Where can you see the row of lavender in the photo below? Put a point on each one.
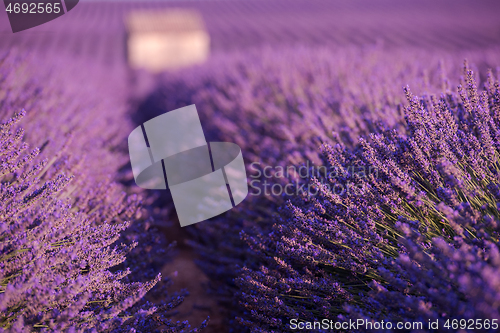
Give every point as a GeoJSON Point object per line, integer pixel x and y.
{"type": "Point", "coordinates": [64, 254]}
{"type": "Point", "coordinates": [399, 246]}
{"type": "Point", "coordinates": [96, 29]}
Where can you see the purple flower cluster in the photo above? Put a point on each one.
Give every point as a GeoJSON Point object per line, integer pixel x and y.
{"type": "Point", "coordinates": [416, 242]}
{"type": "Point", "coordinates": [320, 257]}
{"type": "Point", "coordinates": [62, 213]}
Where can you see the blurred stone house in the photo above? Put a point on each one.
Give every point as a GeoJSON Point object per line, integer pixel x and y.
{"type": "Point", "coordinates": [166, 39]}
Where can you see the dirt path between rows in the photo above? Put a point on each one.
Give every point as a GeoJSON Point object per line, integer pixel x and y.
{"type": "Point", "coordinates": [199, 304]}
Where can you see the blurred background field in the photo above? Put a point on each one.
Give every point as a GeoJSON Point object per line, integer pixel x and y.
{"type": "Point", "coordinates": [352, 57]}
{"type": "Point", "coordinates": [96, 30]}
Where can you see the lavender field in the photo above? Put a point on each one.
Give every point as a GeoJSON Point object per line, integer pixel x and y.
{"type": "Point", "coordinates": [387, 113]}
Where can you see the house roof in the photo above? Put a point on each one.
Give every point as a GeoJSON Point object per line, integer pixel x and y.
{"type": "Point", "coordinates": [170, 20]}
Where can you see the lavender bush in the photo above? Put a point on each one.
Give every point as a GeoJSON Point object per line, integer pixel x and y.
{"type": "Point", "coordinates": [62, 213]}
{"type": "Point", "coordinates": [415, 241]}
{"type": "Point", "coordinates": [280, 106]}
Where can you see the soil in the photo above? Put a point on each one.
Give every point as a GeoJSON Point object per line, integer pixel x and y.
{"type": "Point", "coordinates": [199, 304]}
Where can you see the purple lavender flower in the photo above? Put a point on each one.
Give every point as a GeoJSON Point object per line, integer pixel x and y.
{"type": "Point", "coordinates": [418, 242]}
{"type": "Point", "coordinates": [61, 256]}
{"type": "Point", "coordinates": [318, 258]}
